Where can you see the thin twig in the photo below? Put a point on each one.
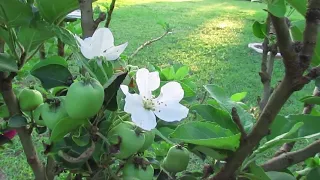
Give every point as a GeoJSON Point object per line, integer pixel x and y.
{"type": "Point", "coordinates": [61, 44]}
{"type": "Point", "coordinates": [68, 58]}
{"type": "Point", "coordinates": [206, 92]}
{"type": "Point", "coordinates": [102, 17]}
{"type": "Point", "coordinates": [148, 43]}
{"type": "Point", "coordinates": [263, 72]}
{"type": "Point", "coordinates": [42, 52]}
{"type": "Point", "coordinates": [2, 45]}
{"type": "Point", "coordinates": [110, 11]}
{"type": "Point", "coordinates": [237, 121]}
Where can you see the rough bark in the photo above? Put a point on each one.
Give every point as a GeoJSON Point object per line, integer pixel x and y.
{"type": "Point", "coordinates": [295, 66]}
{"type": "Point", "coordinates": [50, 168]}
{"type": "Point", "coordinates": [1, 45]}
{"type": "Point", "coordinates": [288, 159]}
{"type": "Point", "coordinates": [25, 137]}
{"type": "Point", "coordinates": [87, 22]}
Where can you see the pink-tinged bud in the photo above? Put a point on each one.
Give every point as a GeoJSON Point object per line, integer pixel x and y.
{"type": "Point", "coordinates": [10, 134]}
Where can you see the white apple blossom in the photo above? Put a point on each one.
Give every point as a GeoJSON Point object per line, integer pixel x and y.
{"type": "Point", "coordinates": [144, 107]}
{"type": "Point", "coordinates": [101, 44]}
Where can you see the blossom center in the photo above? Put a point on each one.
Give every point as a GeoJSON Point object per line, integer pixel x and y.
{"type": "Point", "coordinates": [148, 104]}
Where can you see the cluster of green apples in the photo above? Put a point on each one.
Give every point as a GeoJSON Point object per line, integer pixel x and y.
{"type": "Point", "coordinates": [129, 140]}
{"type": "Point", "coordinates": [84, 99]}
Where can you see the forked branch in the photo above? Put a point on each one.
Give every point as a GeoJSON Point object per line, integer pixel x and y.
{"type": "Point", "coordinates": [295, 66]}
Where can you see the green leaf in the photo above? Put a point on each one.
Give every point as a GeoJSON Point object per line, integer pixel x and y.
{"type": "Point", "coordinates": [283, 124]}
{"type": "Point", "coordinates": [104, 72]}
{"type": "Point", "coordinates": [14, 13]}
{"type": "Point", "coordinates": [277, 140]}
{"type": "Point", "coordinates": [210, 152]}
{"type": "Point", "coordinates": [82, 137]}
{"type": "Point", "coordinates": [249, 176]}
{"type": "Point", "coordinates": [283, 138]}
{"type": "Point", "coordinates": [181, 73]}
{"type": "Point", "coordinates": [55, 11]}
{"type": "Point", "coordinates": [311, 100]}
{"type": "Point", "coordinates": [314, 174]}
{"type": "Point", "coordinates": [297, 29]}
{"type": "Point", "coordinates": [277, 8]}
{"type": "Point", "coordinates": [207, 134]}
{"type": "Point", "coordinates": [238, 96]}
{"type": "Point", "coordinates": [65, 36]}
{"type": "Point", "coordinates": [299, 5]}
{"type": "Point", "coordinates": [50, 61]}
{"type": "Point", "coordinates": [164, 133]}
{"type": "Point", "coordinates": [221, 97]}
{"type": "Point", "coordinates": [4, 34]}
{"type": "Point", "coordinates": [259, 29]}
{"type": "Point", "coordinates": [4, 111]}
{"type": "Point", "coordinates": [32, 36]}
{"type": "Point", "coordinates": [317, 82]}
{"type": "Point", "coordinates": [65, 126]}
{"type": "Point", "coordinates": [273, 175]}
{"type": "Point", "coordinates": [212, 114]}
{"type": "Point", "coordinates": [52, 72]}
{"type": "Point", "coordinates": [40, 129]}
{"type": "Point", "coordinates": [168, 73]}
{"type": "Point", "coordinates": [53, 76]}
{"type": "Point", "coordinates": [188, 91]}
{"type": "Point", "coordinates": [111, 90]}
{"type": "Point", "coordinates": [17, 121]}
{"type": "Point", "coordinates": [258, 172]}
{"type": "Point", "coordinates": [7, 63]}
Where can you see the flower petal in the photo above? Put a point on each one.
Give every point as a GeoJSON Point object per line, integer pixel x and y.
{"type": "Point", "coordinates": [144, 119]}
{"type": "Point", "coordinates": [172, 111]}
{"type": "Point", "coordinates": [102, 40]}
{"type": "Point", "coordinates": [85, 47]}
{"type": "Point", "coordinates": [125, 89]}
{"type": "Point", "coordinates": [87, 52]}
{"type": "Point", "coordinates": [132, 102]}
{"type": "Point", "coordinates": [79, 40]}
{"type": "Point", "coordinates": [154, 80]}
{"type": "Point", "coordinates": [114, 52]}
{"type": "Point", "coordinates": [171, 92]}
{"type": "Point", "coordinates": [142, 79]}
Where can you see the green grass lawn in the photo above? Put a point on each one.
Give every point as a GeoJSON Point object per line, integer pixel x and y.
{"type": "Point", "coordinates": [210, 36]}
